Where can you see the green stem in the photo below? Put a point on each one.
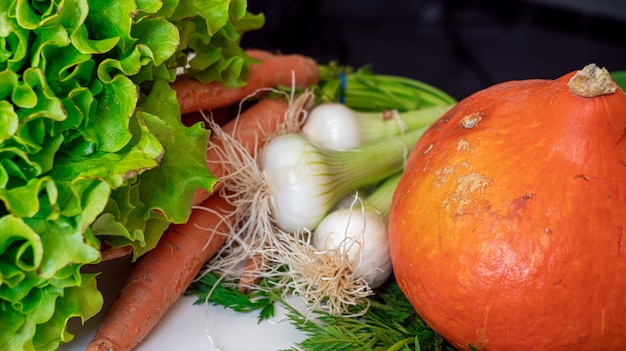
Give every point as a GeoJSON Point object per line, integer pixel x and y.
{"type": "Point", "coordinates": [382, 197]}
{"type": "Point", "coordinates": [400, 344]}
{"type": "Point", "coordinates": [430, 94]}
{"type": "Point", "coordinates": [374, 125]}
{"type": "Point", "coordinates": [369, 164]}
{"type": "Point", "coordinates": [365, 91]}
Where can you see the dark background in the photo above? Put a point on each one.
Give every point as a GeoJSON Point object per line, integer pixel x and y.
{"type": "Point", "coordinates": [460, 46]}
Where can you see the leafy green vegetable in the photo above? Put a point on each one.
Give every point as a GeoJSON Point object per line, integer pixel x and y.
{"type": "Point", "coordinates": [92, 148]}
{"type": "Point", "coordinates": [390, 323]}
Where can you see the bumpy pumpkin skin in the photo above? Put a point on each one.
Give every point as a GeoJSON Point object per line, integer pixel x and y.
{"type": "Point", "coordinates": [507, 228]}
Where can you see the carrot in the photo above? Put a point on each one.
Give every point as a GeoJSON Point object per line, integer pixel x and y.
{"type": "Point", "coordinates": [251, 129]}
{"type": "Point", "coordinates": [274, 70]}
{"type": "Point", "coordinates": [110, 253]}
{"type": "Point", "coordinates": [161, 276]}
{"type": "Point", "coordinates": [247, 279]}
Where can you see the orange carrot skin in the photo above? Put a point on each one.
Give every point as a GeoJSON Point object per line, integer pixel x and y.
{"type": "Point", "coordinates": [248, 279]}
{"type": "Point", "coordinates": [273, 70]}
{"type": "Point", "coordinates": [252, 128]}
{"type": "Point", "coordinates": [161, 276]}
{"type": "Point", "coordinates": [108, 253]}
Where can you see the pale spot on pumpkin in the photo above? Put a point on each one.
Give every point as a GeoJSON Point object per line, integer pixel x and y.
{"type": "Point", "coordinates": [426, 164]}
{"type": "Point", "coordinates": [430, 147]}
{"type": "Point", "coordinates": [471, 120]}
{"type": "Point", "coordinates": [464, 145]}
{"type": "Point", "coordinates": [468, 186]}
{"type": "Point", "coordinates": [442, 175]}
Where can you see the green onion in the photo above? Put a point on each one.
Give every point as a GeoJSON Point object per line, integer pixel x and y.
{"type": "Point", "coordinates": [336, 126]}
{"type": "Point", "coordinates": [359, 233]}
{"type": "Point", "coordinates": [305, 181]}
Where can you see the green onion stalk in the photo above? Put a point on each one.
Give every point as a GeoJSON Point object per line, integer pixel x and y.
{"type": "Point", "coordinates": [363, 90]}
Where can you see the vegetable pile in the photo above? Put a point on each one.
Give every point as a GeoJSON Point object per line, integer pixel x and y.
{"type": "Point", "coordinates": [286, 186]}
{"type": "Point", "coordinates": [93, 150]}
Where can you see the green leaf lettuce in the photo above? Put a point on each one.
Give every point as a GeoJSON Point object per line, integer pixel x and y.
{"type": "Point", "coordinates": [92, 148]}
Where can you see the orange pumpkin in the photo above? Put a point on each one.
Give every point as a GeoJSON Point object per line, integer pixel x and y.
{"type": "Point", "coordinates": [507, 228]}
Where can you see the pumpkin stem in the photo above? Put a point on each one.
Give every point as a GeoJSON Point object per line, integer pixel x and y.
{"type": "Point", "coordinates": [592, 81]}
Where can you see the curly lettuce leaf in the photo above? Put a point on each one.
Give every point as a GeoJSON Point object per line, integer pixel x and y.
{"type": "Point", "coordinates": [212, 30]}
{"type": "Point", "coordinates": [47, 288]}
{"type": "Point", "coordinates": [181, 164]}
{"type": "Point", "coordinates": [140, 211]}
{"type": "Point", "coordinates": [91, 144]}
